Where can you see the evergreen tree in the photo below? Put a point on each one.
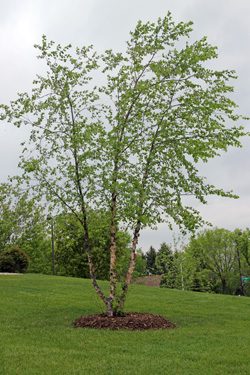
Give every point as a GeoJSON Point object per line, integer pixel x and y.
{"type": "Point", "coordinates": [150, 261]}
{"type": "Point", "coordinates": [164, 259]}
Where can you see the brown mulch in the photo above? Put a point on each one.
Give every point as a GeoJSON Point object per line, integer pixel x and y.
{"type": "Point", "coordinates": [131, 321]}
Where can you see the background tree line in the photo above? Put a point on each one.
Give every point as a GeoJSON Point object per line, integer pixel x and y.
{"type": "Point", "coordinates": [208, 263]}
{"type": "Point", "coordinates": [215, 260]}
{"type": "Point", "coordinates": [24, 225]}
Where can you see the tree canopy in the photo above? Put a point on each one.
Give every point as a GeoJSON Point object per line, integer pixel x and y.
{"type": "Point", "coordinates": [215, 250]}
{"type": "Point", "coordinates": [123, 132]}
{"type": "Point", "coordinates": [71, 257]}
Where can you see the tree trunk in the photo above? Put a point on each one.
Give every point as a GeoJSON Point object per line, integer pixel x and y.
{"type": "Point", "coordinates": [109, 308]}
{"type": "Point", "coordinates": [113, 251]}
{"type": "Point", "coordinates": [108, 303]}
{"type": "Point", "coordinates": [223, 281]}
{"type": "Point", "coordinates": [131, 267]}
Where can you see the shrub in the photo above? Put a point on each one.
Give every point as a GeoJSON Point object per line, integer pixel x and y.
{"type": "Point", "coordinates": [14, 260]}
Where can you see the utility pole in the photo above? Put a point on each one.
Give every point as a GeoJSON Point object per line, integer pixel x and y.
{"type": "Point", "coordinates": [182, 284]}
{"type": "Point", "coordinates": [241, 278]}
{"type": "Point", "coordinates": [49, 218]}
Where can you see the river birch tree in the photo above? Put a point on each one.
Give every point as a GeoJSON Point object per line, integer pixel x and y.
{"type": "Point", "coordinates": [123, 133]}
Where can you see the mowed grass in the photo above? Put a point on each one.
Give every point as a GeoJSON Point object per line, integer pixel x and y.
{"type": "Point", "coordinates": [38, 337]}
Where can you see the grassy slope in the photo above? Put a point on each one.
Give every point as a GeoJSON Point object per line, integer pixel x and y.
{"type": "Point", "coordinates": [37, 336]}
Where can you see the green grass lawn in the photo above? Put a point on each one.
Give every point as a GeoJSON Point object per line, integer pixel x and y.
{"type": "Point", "coordinates": [38, 337]}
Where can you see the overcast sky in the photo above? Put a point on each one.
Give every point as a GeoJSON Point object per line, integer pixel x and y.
{"type": "Point", "coordinates": [106, 24]}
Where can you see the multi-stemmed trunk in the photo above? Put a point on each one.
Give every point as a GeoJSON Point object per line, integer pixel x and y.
{"type": "Point", "coordinates": [131, 267]}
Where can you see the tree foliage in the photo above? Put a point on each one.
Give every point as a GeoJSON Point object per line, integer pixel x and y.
{"type": "Point", "coordinates": [23, 225]}
{"type": "Point", "coordinates": [17, 213]}
{"type": "Point", "coordinates": [150, 260]}
{"type": "Point", "coordinates": [167, 265]}
{"type": "Point", "coordinates": [14, 261]}
{"type": "Point", "coordinates": [130, 145]}
{"type": "Point", "coordinates": [71, 257]}
{"type": "Point", "coordinates": [243, 242]}
{"type": "Point", "coordinates": [164, 259]}
{"type": "Point", "coordinates": [215, 255]}
{"type": "Point", "coordinates": [140, 269]}
{"type": "Point", "coordinates": [208, 263]}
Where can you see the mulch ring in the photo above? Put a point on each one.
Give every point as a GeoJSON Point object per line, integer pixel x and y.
{"type": "Point", "coordinates": [131, 321]}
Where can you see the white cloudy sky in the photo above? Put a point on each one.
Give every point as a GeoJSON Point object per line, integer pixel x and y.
{"type": "Point", "coordinates": [106, 24]}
